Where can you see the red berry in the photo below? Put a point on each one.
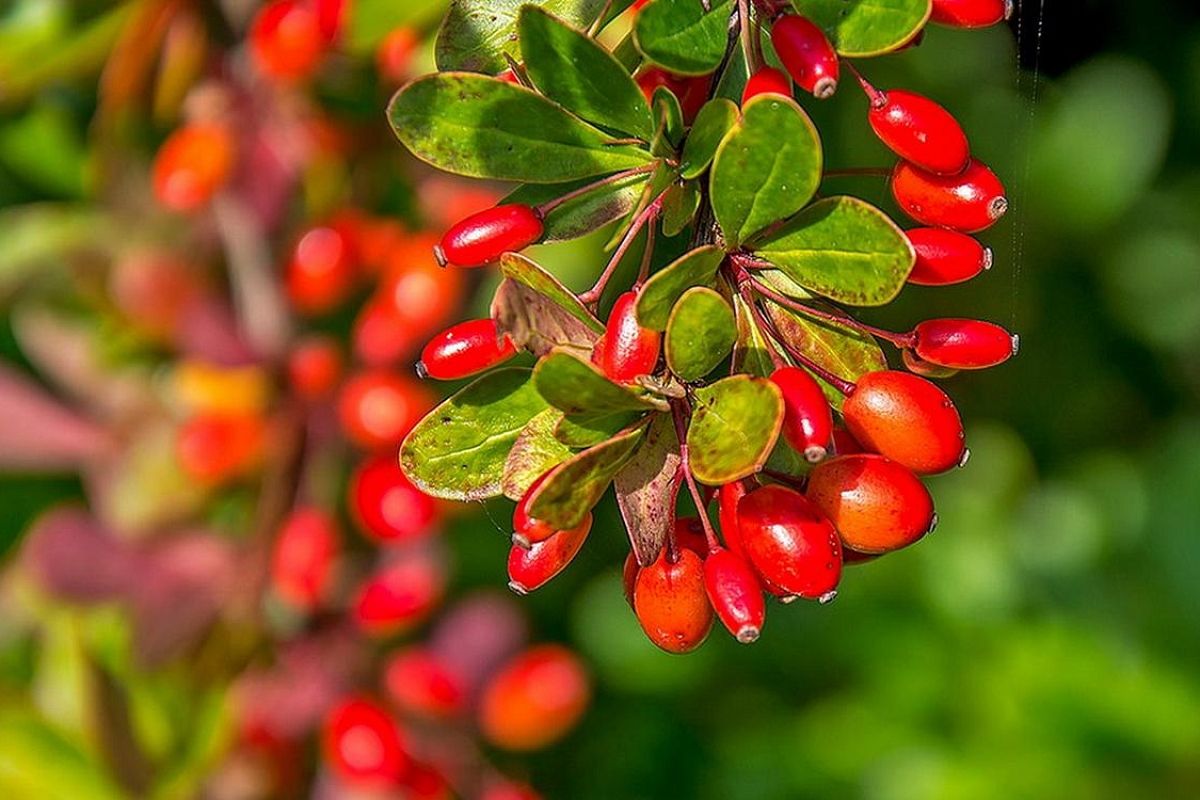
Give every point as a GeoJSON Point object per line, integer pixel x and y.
{"type": "Point", "coordinates": [968, 202]}
{"type": "Point", "coordinates": [385, 504]}
{"type": "Point", "coordinates": [528, 530]}
{"type": "Point", "coordinates": [971, 13]}
{"type": "Point", "coordinates": [689, 533]}
{"type": "Point", "coordinates": [465, 349]}
{"type": "Point", "coordinates": [286, 40]}
{"type": "Point", "coordinates": [670, 602]}
{"type": "Point", "coordinates": [314, 367]}
{"type": "Point", "coordinates": [627, 350]}
{"type": "Point", "coordinates": [418, 682]}
{"type": "Point", "coordinates": [790, 543]}
{"type": "Point", "coordinates": [482, 238]}
{"type": "Point", "coordinates": [508, 76]}
{"type": "Point", "coordinates": [964, 343]}
{"type": "Point", "coordinates": [767, 80]}
{"type": "Point", "coordinates": [807, 416]}
{"type": "Point", "coordinates": [691, 91]}
{"type": "Point", "coordinates": [807, 54]}
{"type": "Point", "coordinates": [531, 568]}
{"type": "Point", "coordinates": [629, 575]}
{"type": "Point", "coordinates": [919, 131]}
{"type": "Point", "coordinates": [303, 557]}
{"type": "Point", "coordinates": [425, 782]}
{"type": "Point", "coordinates": [535, 699]}
{"type": "Point", "coordinates": [876, 505]}
{"type": "Point", "coordinates": [192, 165]}
{"type": "Point", "coordinates": [946, 257]}
{"type": "Point", "coordinates": [399, 596]}
{"type": "Point", "coordinates": [728, 497]}
{"type": "Point", "coordinates": [906, 418]}
{"type": "Point", "coordinates": [364, 745]}
{"type": "Point", "coordinates": [844, 443]}
{"type": "Point", "coordinates": [378, 408]}
{"type": "Point", "coordinates": [214, 448]}
{"type": "Point", "coordinates": [322, 271]}
{"type": "Point", "coordinates": [394, 56]}
{"type": "Point", "coordinates": [735, 594]}
{"type": "Point", "coordinates": [331, 15]}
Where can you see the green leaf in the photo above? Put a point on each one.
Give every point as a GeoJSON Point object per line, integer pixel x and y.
{"type": "Point", "coordinates": [679, 207]}
{"type": "Point", "coordinates": [845, 249]}
{"type": "Point", "coordinates": [781, 283]}
{"type": "Point", "coordinates": [535, 452]}
{"type": "Point", "coordinates": [527, 272]}
{"type": "Point", "coordinates": [575, 386]}
{"type": "Point", "coordinates": [700, 333]}
{"type": "Point", "coordinates": [39, 761]}
{"type": "Point", "coordinates": [714, 121]}
{"type": "Point", "coordinates": [476, 35]}
{"type": "Point", "coordinates": [751, 351]}
{"type": "Point", "coordinates": [657, 297]}
{"type": "Point", "coordinates": [867, 28]}
{"type": "Point", "coordinates": [585, 430]}
{"type": "Point", "coordinates": [574, 71]}
{"type": "Point", "coordinates": [735, 423]}
{"type": "Point", "coordinates": [647, 489]}
{"type": "Point", "coordinates": [766, 169]}
{"type": "Point", "coordinates": [459, 449]}
{"type": "Point", "coordinates": [669, 126]}
{"type": "Point", "coordinates": [580, 215]}
{"type": "Point", "coordinates": [682, 37]}
{"type": "Point", "coordinates": [538, 312]}
{"type": "Point", "coordinates": [486, 128]}
{"type": "Point", "coordinates": [843, 351]}
{"type": "Point", "coordinates": [574, 487]}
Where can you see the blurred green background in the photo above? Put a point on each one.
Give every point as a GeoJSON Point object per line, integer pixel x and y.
{"type": "Point", "coordinates": [1045, 641]}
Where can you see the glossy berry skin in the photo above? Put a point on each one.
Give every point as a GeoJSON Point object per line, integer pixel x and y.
{"type": "Point", "coordinates": [807, 416]}
{"type": "Point", "coordinates": [906, 418]}
{"type": "Point", "coordinates": [531, 568]}
{"type": "Point", "coordinates": [535, 699]}
{"type": "Point", "coordinates": [398, 597]}
{"type": "Point", "coordinates": [386, 505]}
{"type": "Point", "coordinates": [671, 603]}
{"type": "Point", "coordinates": [482, 238]}
{"type": "Point", "coordinates": [876, 505]}
{"type": "Point", "coordinates": [735, 594]}
{"type": "Point", "coordinates": [322, 271]}
{"type": "Point", "coordinates": [807, 54]}
{"type": "Point", "coordinates": [920, 131]}
{"type": "Point", "coordinates": [527, 530]}
{"type": "Point", "coordinates": [314, 367]}
{"type": "Point", "coordinates": [844, 442]}
{"type": "Point", "coordinates": [419, 683]}
{"type": "Point", "coordinates": [689, 533]}
{"type": "Point", "coordinates": [377, 408]}
{"type": "Point", "coordinates": [967, 202]}
{"type": "Point", "coordinates": [971, 13]}
{"type": "Point", "coordinates": [964, 343]}
{"type": "Point", "coordinates": [728, 497]}
{"type": "Point", "coordinates": [286, 40]}
{"type": "Point", "coordinates": [767, 80]}
{"type": "Point", "coordinates": [465, 349]}
{"type": "Point", "coordinates": [192, 165]}
{"type": "Point", "coordinates": [626, 351]}
{"type": "Point", "coordinates": [691, 91]}
{"type": "Point", "coordinates": [946, 257]}
{"type": "Point", "coordinates": [790, 543]}
{"type": "Point", "coordinates": [364, 745]}
{"type": "Point", "coordinates": [303, 558]}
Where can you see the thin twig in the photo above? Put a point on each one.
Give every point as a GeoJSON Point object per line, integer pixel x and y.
{"type": "Point", "coordinates": [681, 411]}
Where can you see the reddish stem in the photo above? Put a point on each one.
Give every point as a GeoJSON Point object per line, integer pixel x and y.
{"type": "Point", "coordinates": [841, 384]}
{"type": "Point", "coordinates": [592, 296]}
{"type": "Point", "coordinates": [877, 98]}
{"type": "Point", "coordinates": [900, 340]}
{"type": "Point", "coordinates": [550, 205]}
{"type": "Point", "coordinates": [680, 408]}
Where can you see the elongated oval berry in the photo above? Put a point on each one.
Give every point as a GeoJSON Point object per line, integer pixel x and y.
{"type": "Point", "coordinates": [964, 343]}
{"type": "Point", "coordinates": [482, 238]}
{"type": "Point", "coordinates": [364, 745]}
{"type": "Point", "coordinates": [691, 91]}
{"type": "Point", "coordinates": [399, 596]}
{"type": "Point", "coordinates": [689, 533]}
{"type": "Point", "coordinates": [314, 367]}
{"type": "Point", "coordinates": [728, 497]}
{"type": "Point", "coordinates": [531, 568]}
{"type": "Point", "coordinates": [303, 557]}
{"type": "Point", "coordinates": [735, 594]}
{"type": "Point", "coordinates": [213, 448]}
{"type": "Point", "coordinates": [465, 349]}
{"type": "Point", "coordinates": [626, 350]}
{"type": "Point", "coordinates": [323, 270]}
{"type": "Point", "coordinates": [192, 165]}
{"type": "Point", "coordinates": [671, 603]}
{"type": "Point", "coordinates": [844, 443]}
{"type": "Point", "coordinates": [946, 257]}
{"type": "Point", "coordinates": [807, 416]}
{"type": "Point", "coordinates": [790, 543]}
{"type": "Point", "coordinates": [807, 54]}
{"type": "Point", "coordinates": [876, 505]}
{"type": "Point", "coordinates": [535, 699]}
{"type": "Point", "coordinates": [968, 202]}
{"type": "Point", "coordinates": [377, 408]}
{"type": "Point", "coordinates": [920, 131]}
{"type": "Point", "coordinates": [386, 505]}
{"type": "Point", "coordinates": [906, 418]}
{"type": "Point", "coordinates": [419, 682]}
{"type": "Point", "coordinates": [286, 40]}
{"type": "Point", "coordinates": [767, 80]}
{"type": "Point", "coordinates": [971, 13]}
{"type": "Point", "coordinates": [528, 530]}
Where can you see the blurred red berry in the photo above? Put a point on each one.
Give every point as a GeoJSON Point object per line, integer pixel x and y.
{"type": "Point", "coordinates": [535, 699]}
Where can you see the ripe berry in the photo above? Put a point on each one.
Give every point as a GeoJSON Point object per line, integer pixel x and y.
{"type": "Point", "coordinates": [964, 343]}
{"type": "Point", "coordinates": [394, 56]}
{"type": "Point", "coordinates": [670, 602]}
{"type": "Point", "coordinates": [314, 367]}
{"type": "Point", "coordinates": [691, 91]}
{"type": "Point", "coordinates": [767, 80]}
{"type": "Point", "coordinates": [385, 504]}
{"type": "Point", "coordinates": [919, 131]}
{"type": "Point", "coordinates": [626, 351]}
{"type": "Point", "coordinates": [214, 448]}
{"type": "Point", "coordinates": [322, 271]}
{"type": "Point", "coordinates": [790, 543]}
{"type": "Point", "coordinates": [331, 16]}
{"type": "Point", "coordinates": [807, 416]}
{"type": "Point", "coordinates": [531, 568]}
{"type": "Point", "coordinates": [968, 202]}
{"type": "Point", "coordinates": [807, 54]}
{"type": "Point", "coordinates": [364, 745]}
{"type": "Point", "coordinates": [303, 557]}
{"type": "Point", "coordinates": [906, 418]}
{"type": "Point", "coordinates": [689, 533]}
{"type": "Point", "coordinates": [418, 682]}
{"type": "Point", "coordinates": [465, 349]}
{"type": "Point", "coordinates": [844, 443]}
{"type": "Point", "coordinates": [527, 530]}
{"type": "Point", "coordinates": [286, 41]}
{"type": "Point", "coordinates": [192, 165]}
{"type": "Point", "coordinates": [425, 782]}
{"type": "Point", "coordinates": [875, 504]}
{"type": "Point", "coordinates": [728, 497]}
{"type": "Point", "coordinates": [629, 575]}
{"type": "Point", "coordinates": [971, 13]}
{"type": "Point", "coordinates": [535, 699]}
{"type": "Point", "coordinates": [946, 257]}
{"type": "Point", "coordinates": [399, 596]}
{"type": "Point", "coordinates": [735, 594]}
{"type": "Point", "coordinates": [377, 408]}
{"type": "Point", "coordinates": [482, 238]}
